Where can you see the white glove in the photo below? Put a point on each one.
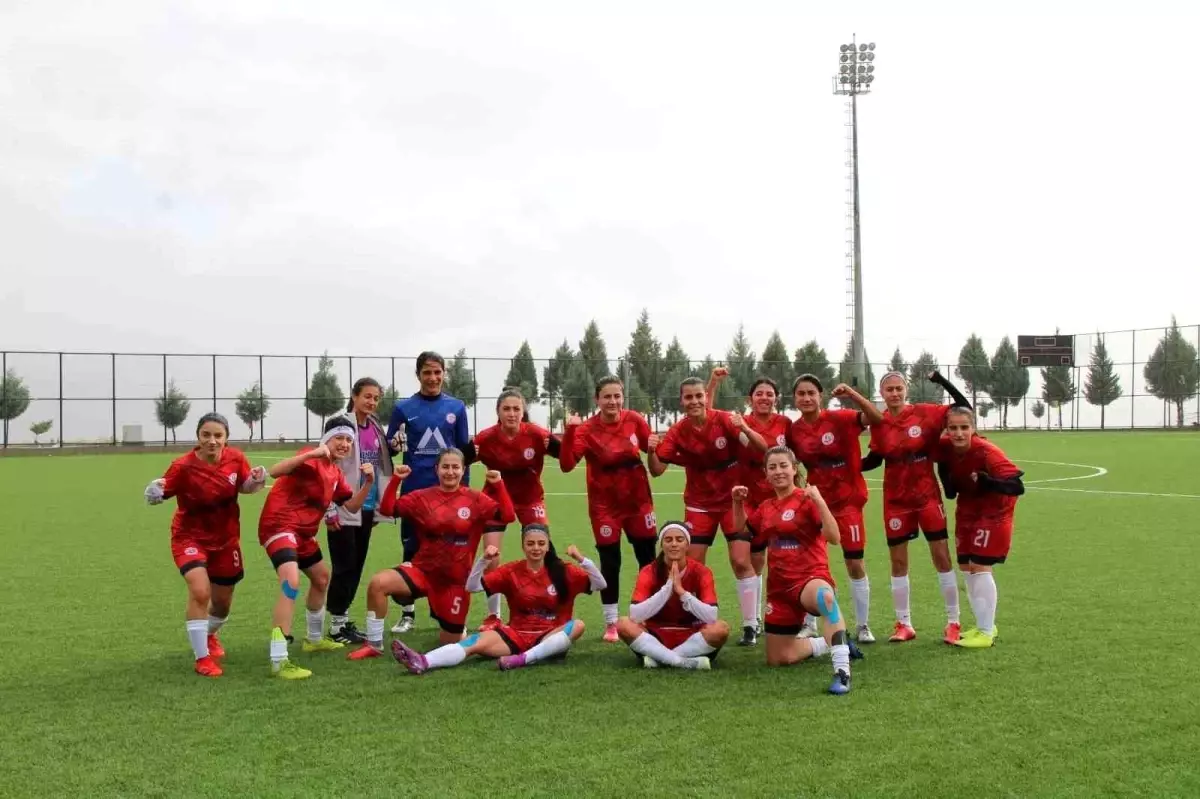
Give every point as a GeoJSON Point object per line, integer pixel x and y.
{"type": "Point", "coordinates": [154, 492]}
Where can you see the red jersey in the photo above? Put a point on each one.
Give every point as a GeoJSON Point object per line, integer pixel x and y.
{"type": "Point", "coordinates": [796, 549]}
{"type": "Point", "coordinates": [907, 441]}
{"type": "Point", "coordinates": [831, 453]}
{"type": "Point", "coordinates": [298, 501]}
{"type": "Point", "coordinates": [616, 477]}
{"type": "Point", "coordinates": [708, 455]}
{"type": "Point", "coordinates": [697, 580]}
{"type": "Point", "coordinates": [518, 459]}
{"type": "Point", "coordinates": [534, 606]}
{"type": "Point", "coordinates": [206, 497]}
{"type": "Point", "coordinates": [974, 503]}
{"type": "Point", "coordinates": [750, 461]}
{"type": "Point", "coordinates": [450, 524]}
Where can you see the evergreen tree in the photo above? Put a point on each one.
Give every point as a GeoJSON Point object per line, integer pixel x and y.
{"type": "Point", "coordinates": [742, 364]}
{"type": "Point", "coordinates": [725, 398]}
{"type": "Point", "coordinates": [554, 377]}
{"type": "Point", "coordinates": [812, 359]}
{"type": "Point", "coordinates": [847, 372]}
{"type": "Point", "coordinates": [14, 399]}
{"type": "Point", "coordinates": [1173, 374]}
{"type": "Point", "coordinates": [593, 352]}
{"type": "Point", "coordinates": [460, 379]}
{"type": "Point", "coordinates": [252, 406]}
{"type": "Point", "coordinates": [897, 363]}
{"type": "Point", "coordinates": [1038, 410]}
{"type": "Point", "coordinates": [636, 397]}
{"type": "Point", "coordinates": [919, 387]}
{"type": "Point", "coordinates": [579, 388]}
{"type": "Point", "coordinates": [387, 401]}
{"type": "Point", "coordinates": [1102, 386]}
{"type": "Point", "coordinates": [1010, 380]}
{"type": "Point", "coordinates": [974, 368]}
{"type": "Point", "coordinates": [522, 374]}
{"type": "Point", "coordinates": [1058, 388]}
{"type": "Point", "coordinates": [644, 359]}
{"type": "Point", "coordinates": [776, 365]}
{"type": "Point", "coordinates": [676, 368]}
{"type": "Point", "coordinates": [172, 408]}
{"type": "Point", "coordinates": [325, 397]}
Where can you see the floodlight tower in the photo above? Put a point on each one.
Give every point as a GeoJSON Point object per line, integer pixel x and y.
{"type": "Point", "coordinates": [856, 73]}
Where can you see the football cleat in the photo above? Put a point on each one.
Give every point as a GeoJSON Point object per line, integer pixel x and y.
{"type": "Point", "coordinates": [649, 662]}
{"type": "Point", "coordinates": [840, 685]}
{"type": "Point", "coordinates": [610, 634]}
{"type": "Point", "coordinates": [809, 630]}
{"type": "Point", "coordinates": [348, 634]}
{"type": "Point", "coordinates": [509, 662]}
{"type": "Point", "coordinates": [976, 640]}
{"type": "Point", "coordinates": [321, 645]}
{"type": "Point", "coordinates": [409, 658]}
{"type": "Point", "coordinates": [904, 632]}
{"type": "Point", "coordinates": [749, 637]}
{"type": "Point", "coordinates": [864, 634]}
{"type": "Point", "coordinates": [207, 667]}
{"type": "Point", "coordinates": [405, 625]}
{"type": "Point", "coordinates": [490, 623]}
{"type": "Point", "coordinates": [365, 652]}
{"type": "Point", "coordinates": [952, 633]}
{"type": "Point", "coordinates": [215, 650]}
{"type": "Point", "coordinates": [287, 670]}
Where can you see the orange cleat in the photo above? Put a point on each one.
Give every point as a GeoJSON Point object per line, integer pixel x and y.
{"type": "Point", "coordinates": [953, 633]}
{"type": "Point", "coordinates": [365, 652]}
{"type": "Point", "coordinates": [215, 650]}
{"type": "Point", "coordinates": [904, 632]}
{"type": "Point", "coordinates": [610, 634]}
{"type": "Point", "coordinates": [207, 667]}
{"type": "Point", "coordinates": [490, 623]}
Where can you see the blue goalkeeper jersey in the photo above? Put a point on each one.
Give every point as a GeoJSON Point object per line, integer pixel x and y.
{"type": "Point", "coordinates": [431, 424]}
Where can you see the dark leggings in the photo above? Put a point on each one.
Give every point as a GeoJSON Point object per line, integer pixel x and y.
{"type": "Point", "coordinates": [348, 553]}
{"type": "Point", "coordinates": [610, 565]}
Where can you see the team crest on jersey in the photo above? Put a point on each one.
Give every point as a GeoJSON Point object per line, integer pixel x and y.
{"type": "Point", "coordinates": [605, 531]}
{"type": "Point", "coordinates": [721, 443]}
{"type": "Point", "coordinates": [894, 524]}
{"type": "Point", "coordinates": [633, 439]}
{"type": "Point", "coordinates": [552, 591]}
{"type": "Point", "coordinates": [191, 551]}
{"type": "Point", "coordinates": [914, 431]}
{"type": "Point", "coordinates": [464, 513]}
{"type": "Point", "coordinates": [788, 515]}
{"type": "Point", "coordinates": [781, 440]}
{"type": "Point", "coordinates": [232, 478]}
{"type": "Point", "coordinates": [827, 439]}
{"type": "Point", "coordinates": [528, 453]}
{"type": "Point", "coordinates": [767, 610]}
{"type": "Point", "coordinates": [451, 418]}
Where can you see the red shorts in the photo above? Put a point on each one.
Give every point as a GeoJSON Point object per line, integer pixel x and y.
{"type": "Point", "coordinates": [532, 514]}
{"type": "Point", "coordinates": [671, 637]}
{"type": "Point", "coordinates": [224, 565]}
{"type": "Point", "coordinates": [784, 615]}
{"type": "Point", "coordinates": [448, 604]}
{"type": "Point", "coordinates": [982, 541]}
{"type": "Point", "coordinates": [902, 523]}
{"type": "Point", "coordinates": [519, 641]}
{"type": "Point", "coordinates": [607, 524]}
{"type": "Point", "coordinates": [303, 550]}
{"type": "Point", "coordinates": [704, 524]}
{"type": "Point", "coordinates": [854, 538]}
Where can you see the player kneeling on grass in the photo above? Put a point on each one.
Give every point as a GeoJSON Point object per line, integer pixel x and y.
{"type": "Point", "coordinates": [987, 485]}
{"type": "Point", "coordinates": [448, 521]}
{"type": "Point", "coordinates": [308, 488]}
{"type": "Point", "coordinates": [206, 531]}
{"type": "Point", "coordinates": [541, 592]}
{"type": "Point", "coordinates": [798, 527]}
{"type": "Point", "coordinates": [673, 619]}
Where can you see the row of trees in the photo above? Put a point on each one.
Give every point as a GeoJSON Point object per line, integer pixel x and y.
{"type": "Point", "coordinates": [652, 375]}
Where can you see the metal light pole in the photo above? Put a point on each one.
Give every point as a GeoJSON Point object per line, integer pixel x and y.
{"type": "Point", "coordinates": [855, 76]}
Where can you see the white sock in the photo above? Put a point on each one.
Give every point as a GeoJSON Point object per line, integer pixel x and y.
{"type": "Point", "coordinates": [197, 633]}
{"type": "Point", "coordinates": [278, 653]}
{"type": "Point", "coordinates": [861, 591]}
{"type": "Point", "coordinates": [747, 593]}
{"type": "Point", "coordinates": [408, 610]}
{"type": "Point", "coordinates": [900, 599]}
{"type": "Point", "coordinates": [215, 623]}
{"type": "Point", "coordinates": [493, 603]}
{"type": "Point", "coordinates": [649, 646]}
{"type": "Point", "coordinates": [985, 588]}
{"type": "Point", "coordinates": [972, 599]}
{"type": "Point", "coordinates": [819, 647]}
{"type": "Point", "coordinates": [949, 584]}
{"type": "Point", "coordinates": [316, 623]}
{"type": "Point", "coordinates": [841, 657]}
{"type": "Point", "coordinates": [446, 656]}
{"type": "Point", "coordinates": [694, 647]}
{"type": "Point", "coordinates": [758, 599]}
{"type": "Point", "coordinates": [610, 613]}
{"type": "Point", "coordinates": [548, 647]}
{"type": "Point", "coordinates": [336, 623]}
{"type": "Point", "coordinates": [375, 630]}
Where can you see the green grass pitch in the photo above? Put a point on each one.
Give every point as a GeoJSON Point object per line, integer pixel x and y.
{"type": "Point", "coordinates": [1092, 691]}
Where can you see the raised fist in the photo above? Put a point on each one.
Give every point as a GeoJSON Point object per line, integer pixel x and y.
{"type": "Point", "coordinates": [740, 493]}
{"type": "Point", "coordinates": [492, 476]}
{"type": "Point", "coordinates": [573, 420]}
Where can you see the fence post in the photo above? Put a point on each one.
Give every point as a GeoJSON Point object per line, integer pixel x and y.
{"type": "Point", "coordinates": [1133, 380]}
{"type": "Point", "coordinates": [62, 422]}
{"type": "Point", "coordinates": [1198, 392]}
{"type": "Point", "coordinates": [214, 365]}
{"type": "Point", "coordinates": [474, 393]}
{"type": "Point", "coordinates": [303, 404]}
{"type": "Point", "coordinates": [4, 392]}
{"type": "Point", "coordinates": [262, 392]}
{"type": "Point", "coordinates": [164, 357]}
{"type": "Point", "coordinates": [393, 360]}
{"type": "Point", "coordinates": [350, 361]}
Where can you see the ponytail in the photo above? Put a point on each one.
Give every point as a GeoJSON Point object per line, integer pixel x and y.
{"type": "Point", "coordinates": [558, 574]}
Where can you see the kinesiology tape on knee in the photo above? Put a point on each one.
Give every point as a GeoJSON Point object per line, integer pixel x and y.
{"type": "Point", "coordinates": [290, 591]}
{"type": "Point", "coordinates": [827, 602]}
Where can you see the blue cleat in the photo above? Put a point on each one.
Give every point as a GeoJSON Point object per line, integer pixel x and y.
{"type": "Point", "coordinates": [855, 652]}
{"type": "Point", "coordinates": [840, 685]}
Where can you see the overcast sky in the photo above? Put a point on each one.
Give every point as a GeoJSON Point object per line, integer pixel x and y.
{"type": "Point", "coordinates": [373, 178]}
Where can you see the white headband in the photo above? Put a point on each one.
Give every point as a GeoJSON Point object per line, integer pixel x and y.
{"type": "Point", "coordinates": [675, 526]}
{"type": "Point", "coordinates": [900, 375]}
{"type": "Point", "coordinates": [348, 432]}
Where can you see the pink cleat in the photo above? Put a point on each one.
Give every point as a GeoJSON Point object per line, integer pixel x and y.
{"type": "Point", "coordinates": [904, 632]}
{"type": "Point", "coordinates": [953, 633]}
{"type": "Point", "coordinates": [610, 634]}
{"type": "Point", "coordinates": [512, 662]}
{"type": "Point", "coordinates": [408, 657]}
{"type": "Point", "coordinates": [364, 652]}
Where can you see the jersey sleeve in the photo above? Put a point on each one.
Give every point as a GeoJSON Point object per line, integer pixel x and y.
{"type": "Point", "coordinates": [408, 506]}
{"type": "Point", "coordinates": [848, 421]}
{"type": "Point", "coordinates": [753, 519]}
{"type": "Point", "coordinates": [173, 479]}
{"type": "Point", "coordinates": [668, 449]}
{"type": "Point", "coordinates": [814, 513]}
{"type": "Point", "coordinates": [643, 433]}
{"type": "Point", "coordinates": [708, 588]}
{"type": "Point", "coordinates": [343, 491]}
{"type": "Point", "coordinates": [499, 580]}
{"type": "Point", "coordinates": [997, 465]}
{"type": "Point", "coordinates": [243, 469]}
{"type": "Point", "coordinates": [573, 446]}
{"type": "Point", "coordinates": [495, 507]}
{"type": "Point", "coordinates": [462, 433]}
{"type": "Point", "coordinates": [936, 415]}
{"type": "Point", "coordinates": [644, 588]}
{"type": "Point", "coordinates": [578, 581]}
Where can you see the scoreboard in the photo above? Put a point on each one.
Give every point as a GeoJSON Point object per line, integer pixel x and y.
{"type": "Point", "coordinates": [1056, 350]}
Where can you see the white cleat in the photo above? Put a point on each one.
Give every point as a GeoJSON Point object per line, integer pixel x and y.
{"type": "Point", "coordinates": [403, 626]}
{"type": "Point", "coordinates": [701, 663]}
{"type": "Point", "coordinates": [809, 630]}
{"type": "Point", "coordinates": [649, 662]}
{"type": "Point", "coordinates": [864, 635]}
